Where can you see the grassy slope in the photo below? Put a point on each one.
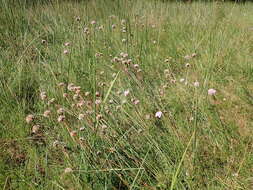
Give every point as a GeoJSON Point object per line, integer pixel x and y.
{"type": "Point", "coordinates": [200, 142]}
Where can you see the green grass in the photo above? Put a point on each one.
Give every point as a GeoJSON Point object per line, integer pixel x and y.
{"type": "Point", "coordinates": [200, 141]}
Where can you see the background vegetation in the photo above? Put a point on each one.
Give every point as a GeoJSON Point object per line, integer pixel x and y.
{"type": "Point", "coordinates": [83, 86]}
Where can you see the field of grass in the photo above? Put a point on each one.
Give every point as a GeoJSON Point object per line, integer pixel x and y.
{"type": "Point", "coordinates": [126, 95]}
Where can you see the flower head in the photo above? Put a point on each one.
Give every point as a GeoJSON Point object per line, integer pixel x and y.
{"type": "Point", "coordinates": [211, 92]}
{"type": "Point", "coordinates": [158, 114]}
{"type": "Point", "coordinates": [29, 118]}
{"type": "Point", "coordinates": [196, 84]}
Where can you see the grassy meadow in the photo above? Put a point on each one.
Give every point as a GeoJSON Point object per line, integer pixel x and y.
{"type": "Point", "coordinates": [120, 95]}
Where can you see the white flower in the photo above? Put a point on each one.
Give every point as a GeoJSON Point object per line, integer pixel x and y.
{"type": "Point", "coordinates": [126, 92]}
{"type": "Point", "coordinates": [158, 114]}
{"type": "Point", "coordinates": [196, 84]}
{"type": "Point", "coordinates": [211, 91]}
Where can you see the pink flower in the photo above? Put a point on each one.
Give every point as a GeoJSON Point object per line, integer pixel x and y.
{"type": "Point", "coordinates": [93, 22]}
{"type": "Point", "coordinates": [46, 113]}
{"type": "Point", "coordinates": [61, 118]}
{"type": "Point", "coordinates": [211, 91]}
{"type": "Point", "coordinates": [158, 114]}
{"type": "Point", "coordinates": [65, 51]}
{"type": "Point", "coordinates": [43, 95]}
{"type": "Point", "coordinates": [126, 92]}
{"type": "Point", "coordinates": [136, 102]}
{"type": "Point", "coordinates": [196, 84]}
{"type": "Point", "coordinates": [29, 118]}
{"type": "Point", "coordinates": [66, 44]}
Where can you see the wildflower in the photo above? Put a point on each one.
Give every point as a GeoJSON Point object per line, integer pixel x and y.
{"type": "Point", "coordinates": [136, 102]}
{"type": "Point", "coordinates": [82, 129]}
{"type": "Point", "coordinates": [61, 118]}
{"type": "Point", "coordinates": [35, 129]}
{"type": "Point", "coordinates": [51, 101]}
{"type": "Point", "coordinates": [187, 65]}
{"type": "Point", "coordinates": [60, 111]}
{"type": "Point", "coordinates": [187, 57]}
{"type": "Point", "coordinates": [147, 117]}
{"type": "Point", "coordinates": [103, 127]}
{"type": "Point", "coordinates": [111, 101]}
{"type": "Point", "coordinates": [65, 51]}
{"type": "Point", "coordinates": [68, 170]}
{"type": "Point", "coordinates": [194, 55]}
{"type": "Point", "coordinates": [46, 113]}
{"type": "Point", "coordinates": [93, 22]}
{"type": "Point", "coordinates": [66, 44]}
{"type": "Point", "coordinates": [80, 104]}
{"type": "Point", "coordinates": [71, 87]}
{"type": "Point", "coordinates": [124, 40]}
{"type": "Point", "coordinates": [123, 21]}
{"type": "Point", "coordinates": [97, 94]}
{"type": "Point", "coordinates": [182, 80]}
{"type": "Point", "coordinates": [126, 92]}
{"type": "Point", "coordinates": [136, 66]}
{"type": "Point", "coordinates": [43, 41]}
{"type": "Point", "coordinates": [65, 95]}
{"type": "Point", "coordinates": [158, 114]}
{"type": "Point", "coordinates": [211, 91]}
{"type": "Point", "coordinates": [113, 26]}
{"type": "Point", "coordinates": [73, 133]}
{"type": "Point", "coordinates": [78, 18]}
{"type": "Point", "coordinates": [196, 84]}
{"type": "Point", "coordinates": [56, 143]}
{"type": "Point", "coordinates": [43, 95]}
{"type": "Point", "coordinates": [98, 101]}
{"type": "Point", "coordinates": [29, 118]}
{"type": "Point", "coordinates": [101, 27]}
{"type": "Point", "coordinates": [87, 93]}
{"type": "Point", "coordinates": [86, 30]}
{"type": "Point", "coordinates": [99, 116]}
{"type": "Point", "coordinates": [81, 116]}
{"type": "Point", "coordinates": [76, 96]}
{"type": "Point", "coordinates": [61, 84]}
